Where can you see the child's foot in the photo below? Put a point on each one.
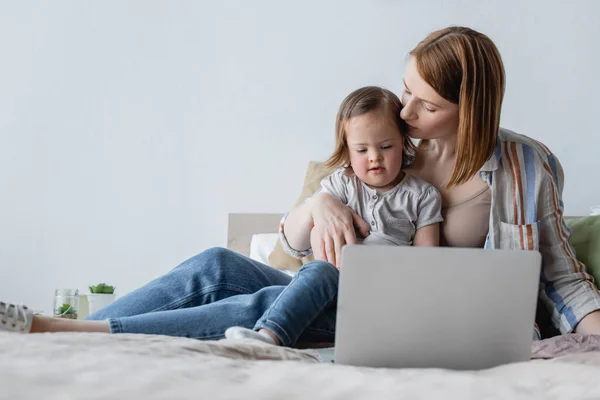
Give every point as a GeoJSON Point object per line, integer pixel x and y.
{"type": "Point", "coordinates": [15, 318]}
{"type": "Point", "coordinates": [237, 332]}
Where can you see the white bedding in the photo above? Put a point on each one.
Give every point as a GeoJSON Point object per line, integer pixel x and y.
{"type": "Point", "coordinates": [261, 245]}
{"type": "Point", "coordinates": [102, 366]}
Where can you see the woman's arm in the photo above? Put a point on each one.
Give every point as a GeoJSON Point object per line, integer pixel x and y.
{"type": "Point", "coordinates": [565, 286]}
{"type": "Point", "coordinates": [325, 224]}
{"type": "Point", "coordinates": [427, 236]}
{"type": "Point", "coordinates": [590, 324]}
{"type": "Point", "coordinates": [298, 224]}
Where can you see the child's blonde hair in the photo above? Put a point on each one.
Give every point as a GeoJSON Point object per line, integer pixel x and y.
{"type": "Point", "coordinates": [361, 102]}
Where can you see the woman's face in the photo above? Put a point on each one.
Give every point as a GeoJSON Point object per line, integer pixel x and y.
{"type": "Point", "coordinates": [428, 115]}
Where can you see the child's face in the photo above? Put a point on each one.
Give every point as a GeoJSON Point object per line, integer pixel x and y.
{"type": "Point", "coordinates": [375, 146]}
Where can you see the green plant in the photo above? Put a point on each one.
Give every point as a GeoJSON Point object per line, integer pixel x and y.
{"type": "Point", "coordinates": [102, 288]}
{"type": "Point", "coordinates": [65, 309]}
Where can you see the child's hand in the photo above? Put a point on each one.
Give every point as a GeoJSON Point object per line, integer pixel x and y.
{"type": "Point", "coordinates": [334, 226]}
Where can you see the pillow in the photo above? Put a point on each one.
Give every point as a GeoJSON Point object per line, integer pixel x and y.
{"type": "Point", "coordinates": [261, 245]}
{"type": "Point", "coordinates": [585, 237]}
{"type": "Point", "coordinates": [315, 173]}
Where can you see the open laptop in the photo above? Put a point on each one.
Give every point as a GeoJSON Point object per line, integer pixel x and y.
{"type": "Point", "coordinates": [435, 307]}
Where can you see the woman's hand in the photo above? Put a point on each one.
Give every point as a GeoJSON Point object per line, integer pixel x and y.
{"type": "Point", "coordinates": [590, 324]}
{"type": "Point", "coordinates": [333, 226]}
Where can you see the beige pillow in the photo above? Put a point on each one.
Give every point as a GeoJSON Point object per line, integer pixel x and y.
{"type": "Point", "coordinates": [315, 173]}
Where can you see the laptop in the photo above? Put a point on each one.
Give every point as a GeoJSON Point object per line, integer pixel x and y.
{"type": "Point", "coordinates": [435, 307]}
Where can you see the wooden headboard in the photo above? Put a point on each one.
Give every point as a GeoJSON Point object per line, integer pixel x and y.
{"type": "Point", "coordinates": [241, 227]}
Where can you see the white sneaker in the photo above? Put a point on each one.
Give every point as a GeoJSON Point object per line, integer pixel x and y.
{"type": "Point", "coordinates": [15, 318]}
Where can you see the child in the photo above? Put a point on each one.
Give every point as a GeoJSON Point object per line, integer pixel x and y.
{"type": "Point", "coordinates": [371, 149]}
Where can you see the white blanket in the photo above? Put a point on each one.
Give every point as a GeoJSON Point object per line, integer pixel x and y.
{"type": "Point", "coordinates": [101, 366]}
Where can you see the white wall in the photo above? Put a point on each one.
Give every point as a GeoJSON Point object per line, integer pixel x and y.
{"type": "Point", "coordinates": [129, 129]}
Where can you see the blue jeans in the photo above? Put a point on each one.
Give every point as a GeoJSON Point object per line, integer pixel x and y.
{"type": "Point", "coordinates": [218, 288]}
{"type": "Point", "coordinates": [312, 292]}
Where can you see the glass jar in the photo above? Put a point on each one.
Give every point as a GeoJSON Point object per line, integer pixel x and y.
{"type": "Point", "coordinates": [66, 303]}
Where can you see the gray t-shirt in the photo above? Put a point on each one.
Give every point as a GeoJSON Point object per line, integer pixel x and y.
{"type": "Point", "coordinates": [394, 215]}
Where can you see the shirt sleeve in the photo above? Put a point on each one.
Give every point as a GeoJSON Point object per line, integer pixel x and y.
{"type": "Point", "coordinates": [566, 288]}
{"type": "Point", "coordinates": [430, 208]}
{"type": "Point", "coordinates": [335, 185]}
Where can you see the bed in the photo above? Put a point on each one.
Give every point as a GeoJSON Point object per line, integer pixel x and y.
{"type": "Point", "coordinates": [100, 366]}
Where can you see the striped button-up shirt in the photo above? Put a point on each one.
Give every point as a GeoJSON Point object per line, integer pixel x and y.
{"type": "Point", "coordinates": [526, 181]}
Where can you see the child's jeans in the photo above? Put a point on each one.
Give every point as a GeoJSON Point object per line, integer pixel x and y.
{"type": "Point", "coordinates": [218, 289]}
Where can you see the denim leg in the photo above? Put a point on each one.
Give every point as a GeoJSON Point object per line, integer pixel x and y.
{"type": "Point", "coordinates": [204, 322]}
{"type": "Point", "coordinates": [312, 292]}
{"type": "Point", "coordinates": [210, 276]}
{"type": "Point", "coordinates": [322, 329]}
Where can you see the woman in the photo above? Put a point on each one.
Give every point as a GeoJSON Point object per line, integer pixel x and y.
{"type": "Point", "coordinates": [499, 190]}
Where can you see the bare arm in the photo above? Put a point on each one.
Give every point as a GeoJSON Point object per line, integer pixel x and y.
{"type": "Point", "coordinates": [427, 236]}
{"type": "Point", "coordinates": [298, 225]}
{"type": "Point", "coordinates": [590, 324]}
{"type": "Point", "coordinates": [325, 224]}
